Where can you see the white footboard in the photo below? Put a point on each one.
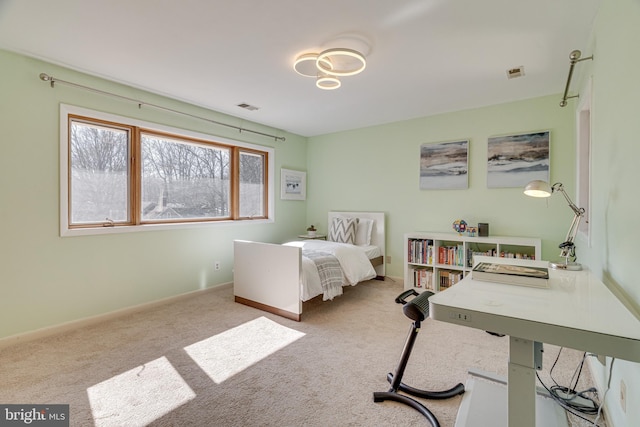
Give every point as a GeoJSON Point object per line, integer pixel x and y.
{"type": "Point", "coordinates": [267, 276]}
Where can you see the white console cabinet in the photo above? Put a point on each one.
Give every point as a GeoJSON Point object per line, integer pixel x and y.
{"type": "Point", "coordinates": [435, 261]}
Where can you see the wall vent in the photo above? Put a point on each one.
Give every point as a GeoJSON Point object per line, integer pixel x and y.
{"type": "Point", "coordinates": [248, 106]}
{"type": "Point", "coordinates": [515, 72]}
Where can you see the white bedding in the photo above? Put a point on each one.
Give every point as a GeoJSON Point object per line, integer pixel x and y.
{"type": "Point", "coordinates": [353, 259]}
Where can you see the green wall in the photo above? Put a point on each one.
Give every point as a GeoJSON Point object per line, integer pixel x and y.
{"type": "Point", "coordinates": [48, 280]}
{"type": "Point", "coordinates": [377, 169]}
{"type": "Point", "coordinates": [615, 144]}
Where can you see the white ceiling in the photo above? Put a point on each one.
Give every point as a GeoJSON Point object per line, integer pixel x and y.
{"type": "Point", "coordinates": [424, 56]}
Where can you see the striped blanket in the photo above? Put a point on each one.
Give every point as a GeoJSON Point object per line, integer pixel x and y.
{"type": "Point", "coordinates": [329, 270]}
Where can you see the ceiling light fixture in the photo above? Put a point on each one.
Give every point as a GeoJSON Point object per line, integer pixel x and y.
{"type": "Point", "coordinates": [330, 64]}
{"type": "Point", "coordinates": [305, 64]}
{"type": "Point", "coordinates": [345, 62]}
{"type": "Point", "coordinates": [327, 82]}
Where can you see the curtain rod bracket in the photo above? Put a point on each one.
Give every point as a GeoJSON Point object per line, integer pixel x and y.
{"type": "Point", "coordinates": [47, 78]}
{"type": "Point", "coordinates": [574, 58]}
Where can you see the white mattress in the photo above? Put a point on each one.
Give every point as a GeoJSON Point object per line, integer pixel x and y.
{"type": "Point", "coordinates": [371, 251]}
{"type": "Point", "coordinates": [353, 259]}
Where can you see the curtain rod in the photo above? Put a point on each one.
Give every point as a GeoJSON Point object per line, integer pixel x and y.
{"type": "Point", "coordinates": [47, 78]}
{"type": "Point", "coordinates": [574, 57]}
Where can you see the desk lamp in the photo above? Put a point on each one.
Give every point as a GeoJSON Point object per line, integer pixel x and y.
{"type": "Point", "coordinates": [538, 188]}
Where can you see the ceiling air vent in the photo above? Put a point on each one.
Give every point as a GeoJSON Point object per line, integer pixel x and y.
{"type": "Point", "coordinates": [248, 106]}
{"type": "Point", "coordinates": [515, 72]}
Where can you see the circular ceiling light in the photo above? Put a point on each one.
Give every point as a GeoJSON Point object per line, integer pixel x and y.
{"type": "Point", "coordinates": [327, 82]}
{"type": "Point", "coordinates": [344, 62]}
{"type": "Point", "coordinates": [305, 64]}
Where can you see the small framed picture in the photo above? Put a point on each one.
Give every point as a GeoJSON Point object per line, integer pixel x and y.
{"type": "Point", "coordinates": [293, 185]}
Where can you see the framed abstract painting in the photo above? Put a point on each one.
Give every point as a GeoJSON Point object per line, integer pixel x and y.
{"type": "Point", "coordinates": [444, 165]}
{"type": "Point", "coordinates": [515, 160]}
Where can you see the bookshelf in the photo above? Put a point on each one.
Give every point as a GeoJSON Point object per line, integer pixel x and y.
{"type": "Point", "coordinates": [436, 261]}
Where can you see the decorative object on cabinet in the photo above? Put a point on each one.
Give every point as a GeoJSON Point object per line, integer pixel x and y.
{"type": "Point", "coordinates": [311, 231]}
{"type": "Point", "coordinates": [460, 226]}
{"type": "Point", "coordinates": [444, 165]}
{"type": "Point", "coordinates": [435, 261]}
{"type": "Point", "coordinates": [539, 188]}
{"type": "Point", "coordinates": [293, 185]}
{"type": "Point", "coordinates": [514, 160]}
{"type": "Point", "coordinates": [483, 229]}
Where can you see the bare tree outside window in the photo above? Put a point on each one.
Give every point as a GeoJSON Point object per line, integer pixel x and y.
{"type": "Point", "coordinates": [251, 184]}
{"type": "Point", "coordinates": [99, 173]}
{"type": "Point", "coordinates": [182, 180]}
{"type": "Point", "coordinates": [120, 174]}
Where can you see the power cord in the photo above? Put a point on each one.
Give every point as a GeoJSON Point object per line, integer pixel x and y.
{"type": "Point", "coordinates": [578, 403]}
{"type": "Point", "coordinates": [606, 391]}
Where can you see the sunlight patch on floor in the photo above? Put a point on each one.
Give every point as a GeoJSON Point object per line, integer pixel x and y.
{"type": "Point", "coordinates": [224, 355]}
{"type": "Point", "coordinates": [139, 396]}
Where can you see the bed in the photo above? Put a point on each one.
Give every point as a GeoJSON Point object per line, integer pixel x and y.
{"type": "Point", "coordinates": [279, 278]}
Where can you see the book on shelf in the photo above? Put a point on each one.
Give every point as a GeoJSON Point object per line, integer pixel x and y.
{"type": "Point", "coordinates": [449, 278]}
{"type": "Point", "coordinates": [422, 278]}
{"type": "Point", "coordinates": [511, 274]}
{"type": "Point", "coordinates": [451, 255]}
{"type": "Point", "coordinates": [420, 251]}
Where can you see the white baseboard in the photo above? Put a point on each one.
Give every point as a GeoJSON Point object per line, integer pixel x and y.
{"type": "Point", "coordinates": [593, 364]}
{"type": "Point", "coordinates": [92, 320]}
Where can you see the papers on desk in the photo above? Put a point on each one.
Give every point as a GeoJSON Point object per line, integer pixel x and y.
{"type": "Point", "coordinates": [511, 274]}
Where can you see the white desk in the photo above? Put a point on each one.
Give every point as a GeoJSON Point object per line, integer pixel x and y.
{"type": "Point", "coordinates": [576, 311]}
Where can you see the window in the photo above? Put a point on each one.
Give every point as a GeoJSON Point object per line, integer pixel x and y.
{"type": "Point", "coordinates": [99, 173]}
{"type": "Point", "coordinates": [252, 188]}
{"type": "Point", "coordinates": [583, 120]}
{"type": "Point", "coordinates": [123, 174]}
{"type": "Point", "coordinates": [183, 180]}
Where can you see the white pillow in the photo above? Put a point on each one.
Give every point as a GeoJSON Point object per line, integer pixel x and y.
{"type": "Point", "coordinates": [363, 231]}
{"type": "Point", "coordinates": [343, 230]}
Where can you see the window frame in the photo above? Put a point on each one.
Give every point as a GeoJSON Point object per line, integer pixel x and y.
{"type": "Point", "coordinates": [139, 126]}
{"type": "Point", "coordinates": [584, 159]}
{"type": "Point", "coordinates": [180, 139]}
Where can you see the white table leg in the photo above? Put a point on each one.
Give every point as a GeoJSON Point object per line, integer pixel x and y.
{"type": "Point", "coordinates": [521, 383]}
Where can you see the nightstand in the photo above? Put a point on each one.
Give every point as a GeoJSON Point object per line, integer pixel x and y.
{"type": "Point", "coordinates": [314, 237]}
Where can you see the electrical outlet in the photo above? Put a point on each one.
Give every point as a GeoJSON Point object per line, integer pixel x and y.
{"type": "Point", "coordinates": [389, 259]}
{"type": "Point", "coordinates": [623, 396]}
{"type": "Point", "coordinates": [465, 317]}
{"type": "Point", "coordinates": [216, 265]}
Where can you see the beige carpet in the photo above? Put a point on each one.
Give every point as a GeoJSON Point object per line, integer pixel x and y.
{"type": "Point", "coordinates": [207, 361]}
